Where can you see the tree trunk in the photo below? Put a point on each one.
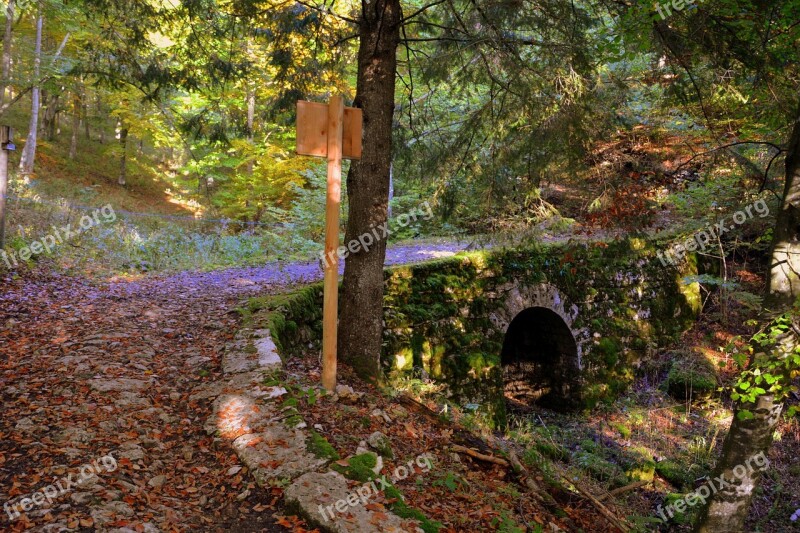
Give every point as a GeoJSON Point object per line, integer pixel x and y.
{"type": "Point", "coordinates": [85, 111]}
{"type": "Point", "coordinates": [6, 61]}
{"type": "Point", "coordinates": [251, 115]}
{"type": "Point", "coordinates": [102, 127]}
{"type": "Point", "coordinates": [361, 319]}
{"type": "Point", "coordinates": [123, 160]}
{"type": "Point", "coordinates": [727, 509]}
{"type": "Point", "coordinates": [29, 153]}
{"type": "Point", "coordinates": [76, 125]}
{"type": "Point", "coordinates": [50, 114]}
{"type": "Point", "coordinates": [784, 273]}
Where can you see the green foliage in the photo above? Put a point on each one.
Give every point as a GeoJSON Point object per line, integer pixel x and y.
{"type": "Point", "coordinates": [451, 482]}
{"type": "Point", "coordinates": [769, 365]}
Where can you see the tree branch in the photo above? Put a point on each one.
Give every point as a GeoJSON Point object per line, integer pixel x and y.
{"type": "Point", "coordinates": [421, 11]}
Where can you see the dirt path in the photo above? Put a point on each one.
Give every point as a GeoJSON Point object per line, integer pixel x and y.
{"type": "Point", "coordinates": [88, 370]}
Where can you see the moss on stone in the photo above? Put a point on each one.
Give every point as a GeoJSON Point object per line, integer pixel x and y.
{"type": "Point", "coordinates": [608, 349]}
{"type": "Point", "coordinates": [676, 473]}
{"type": "Point", "coordinates": [691, 376]}
{"type": "Point", "coordinates": [359, 467]}
{"type": "Point", "coordinates": [319, 446]}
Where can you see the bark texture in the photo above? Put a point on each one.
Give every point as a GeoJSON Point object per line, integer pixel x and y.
{"type": "Point", "coordinates": [784, 274]}
{"type": "Point", "coordinates": [727, 509]}
{"type": "Point", "coordinates": [361, 317]}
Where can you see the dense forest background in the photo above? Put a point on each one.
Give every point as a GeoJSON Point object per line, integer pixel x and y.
{"type": "Point", "coordinates": [503, 117]}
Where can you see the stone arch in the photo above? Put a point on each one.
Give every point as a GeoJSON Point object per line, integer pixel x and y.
{"type": "Point", "coordinates": [542, 356]}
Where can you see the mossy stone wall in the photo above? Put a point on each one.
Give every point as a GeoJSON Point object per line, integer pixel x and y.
{"type": "Point", "coordinates": [442, 315]}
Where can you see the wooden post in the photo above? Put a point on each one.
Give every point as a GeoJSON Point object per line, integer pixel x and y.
{"type": "Point", "coordinates": [6, 144]}
{"type": "Point", "coordinates": [332, 131]}
{"type": "Point", "coordinates": [330, 311]}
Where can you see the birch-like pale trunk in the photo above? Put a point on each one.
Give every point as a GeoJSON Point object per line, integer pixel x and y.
{"type": "Point", "coordinates": [76, 125]}
{"type": "Point", "coordinates": [29, 153]}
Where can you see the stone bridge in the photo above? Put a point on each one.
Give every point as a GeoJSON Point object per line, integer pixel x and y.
{"type": "Point", "coordinates": [561, 325]}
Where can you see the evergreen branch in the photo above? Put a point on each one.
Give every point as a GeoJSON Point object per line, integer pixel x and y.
{"type": "Point", "coordinates": [421, 10]}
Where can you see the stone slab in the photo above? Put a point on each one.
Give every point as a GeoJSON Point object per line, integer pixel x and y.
{"type": "Point", "coordinates": [311, 495]}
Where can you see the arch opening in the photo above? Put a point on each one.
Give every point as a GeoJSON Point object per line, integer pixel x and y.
{"type": "Point", "coordinates": [540, 361]}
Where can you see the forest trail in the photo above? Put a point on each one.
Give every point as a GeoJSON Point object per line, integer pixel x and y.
{"type": "Point", "coordinates": [89, 369]}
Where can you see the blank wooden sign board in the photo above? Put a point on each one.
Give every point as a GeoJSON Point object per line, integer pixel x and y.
{"type": "Point", "coordinates": [332, 131]}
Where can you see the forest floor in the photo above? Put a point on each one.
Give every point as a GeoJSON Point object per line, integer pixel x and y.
{"type": "Point", "coordinates": [89, 368]}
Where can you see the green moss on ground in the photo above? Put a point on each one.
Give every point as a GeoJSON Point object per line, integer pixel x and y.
{"type": "Point", "coordinates": [319, 446]}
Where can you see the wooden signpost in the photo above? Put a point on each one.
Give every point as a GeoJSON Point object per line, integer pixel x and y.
{"type": "Point", "coordinates": [331, 131]}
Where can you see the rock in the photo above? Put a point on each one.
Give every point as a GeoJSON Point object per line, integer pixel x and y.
{"type": "Point", "coordinates": [196, 361]}
{"type": "Point", "coordinates": [236, 383]}
{"type": "Point", "coordinates": [235, 415]}
{"type": "Point", "coordinates": [75, 435]}
{"type": "Point", "coordinates": [381, 444]}
{"type": "Point", "coordinates": [26, 425]}
{"type": "Point", "coordinates": [398, 411]}
{"type": "Point", "coordinates": [268, 357]}
{"type": "Point", "coordinates": [277, 452]}
{"type": "Point", "coordinates": [118, 384]}
{"type": "Point", "coordinates": [110, 512]}
{"type": "Point", "coordinates": [346, 392]}
{"type": "Point", "coordinates": [377, 413]}
{"type": "Point", "coordinates": [313, 494]}
{"type": "Point", "coordinates": [362, 449]}
{"type": "Point", "coordinates": [157, 481]}
{"type": "Point", "coordinates": [692, 375]}
{"type": "Point", "coordinates": [131, 450]}
{"type": "Point", "coordinates": [81, 498]}
{"type": "Point", "coordinates": [132, 399]}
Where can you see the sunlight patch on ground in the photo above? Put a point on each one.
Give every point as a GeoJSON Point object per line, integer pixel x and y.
{"type": "Point", "coordinates": [233, 417]}
{"type": "Point", "coordinates": [436, 254]}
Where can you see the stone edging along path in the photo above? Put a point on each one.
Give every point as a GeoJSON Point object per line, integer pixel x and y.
{"type": "Point", "coordinates": [248, 417]}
